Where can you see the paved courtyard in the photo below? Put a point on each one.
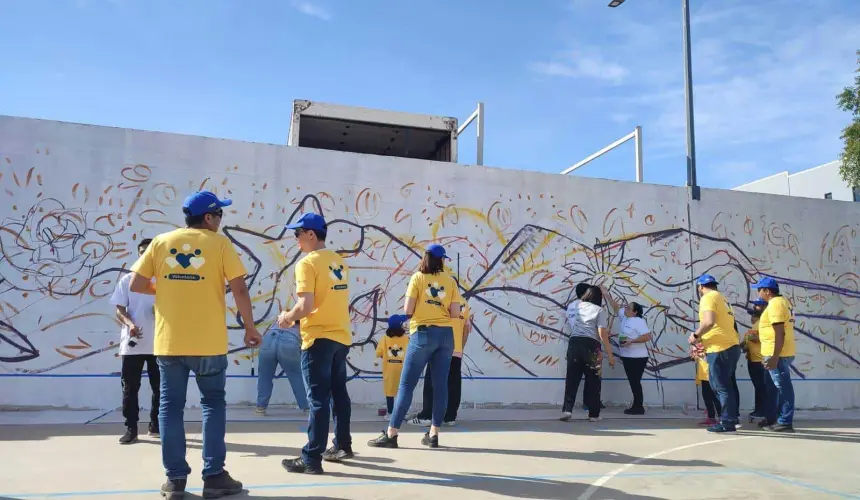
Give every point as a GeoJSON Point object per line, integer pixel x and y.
{"type": "Point", "coordinates": [491, 454]}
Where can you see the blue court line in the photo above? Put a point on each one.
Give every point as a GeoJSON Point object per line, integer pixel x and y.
{"type": "Point", "coordinates": [804, 485]}
{"type": "Point", "coordinates": [373, 377]}
{"type": "Point", "coordinates": [454, 480]}
{"type": "Point", "coordinates": [404, 481]}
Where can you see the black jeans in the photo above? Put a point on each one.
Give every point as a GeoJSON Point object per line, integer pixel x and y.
{"type": "Point", "coordinates": [132, 370]}
{"type": "Point", "coordinates": [582, 360]}
{"type": "Point", "coordinates": [389, 404]}
{"type": "Point", "coordinates": [712, 403]}
{"type": "Point", "coordinates": [455, 382]}
{"type": "Point", "coordinates": [757, 375]}
{"type": "Point", "coordinates": [635, 368]}
{"type": "Point", "coordinates": [324, 371]}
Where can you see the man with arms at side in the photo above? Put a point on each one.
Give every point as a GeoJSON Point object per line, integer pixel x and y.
{"type": "Point", "coordinates": [191, 267]}
{"type": "Point", "coordinates": [136, 312]}
{"type": "Point", "coordinates": [717, 334]}
{"type": "Point", "coordinates": [776, 334]}
{"type": "Point", "coordinates": [322, 279]}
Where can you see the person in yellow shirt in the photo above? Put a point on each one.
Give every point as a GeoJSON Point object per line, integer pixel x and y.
{"type": "Point", "coordinates": [191, 267]}
{"type": "Point", "coordinates": [712, 404]}
{"type": "Point", "coordinates": [717, 334]}
{"type": "Point", "coordinates": [433, 304]}
{"type": "Point", "coordinates": [776, 333]}
{"type": "Point", "coordinates": [322, 287]}
{"type": "Point", "coordinates": [755, 368]}
{"type": "Point", "coordinates": [392, 350]}
{"type": "Point", "coordinates": [462, 328]}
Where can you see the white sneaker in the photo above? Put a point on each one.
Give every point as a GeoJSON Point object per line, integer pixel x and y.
{"type": "Point", "coordinates": [420, 422]}
{"type": "Point", "coordinates": [594, 419]}
{"type": "Point", "coordinates": [566, 416]}
{"type": "Point", "coordinates": [260, 411]}
{"type": "Point", "coordinates": [450, 423]}
{"type": "Point", "coordinates": [387, 417]}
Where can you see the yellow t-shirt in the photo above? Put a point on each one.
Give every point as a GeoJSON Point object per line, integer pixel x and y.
{"type": "Point", "coordinates": [702, 372]}
{"type": "Point", "coordinates": [723, 335]}
{"type": "Point", "coordinates": [324, 274]}
{"type": "Point", "coordinates": [753, 346]}
{"type": "Point", "coordinates": [392, 350]}
{"type": "Point", "coordinates": [778, 310]}
{"type": "Point", "coordinates": [460, 327]}
{"type": "Point", "coordinates": [191, 268]}
{"type": "Point", "coordinates": [433, 295]}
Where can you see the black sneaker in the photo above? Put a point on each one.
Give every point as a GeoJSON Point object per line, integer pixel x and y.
{"type": "Point", "coordinates": [430, 441]}
{"type": "Point", "coordinates": [335, 454]}
{"type": "Point", "coordinates": [764, 424]}
{"type": "Point", "coordinates": [221, 485]}
{"type": "Point", "coordinates": [153, 431]}
{"type": "Point", "coordinates": [129, 437]}
{"type": "Point", "coordinates": [721, 428]}
{"type": "Point", "coordinates": [173, 489]}
{"type": "Point", "coordinates": [781, 428]}
{"type": "Point", "coordinates": [634, 411]}
{"type": "Point", "coordinates": [299, 466]}
{"type": "Point", "coordinates": [383, 441]}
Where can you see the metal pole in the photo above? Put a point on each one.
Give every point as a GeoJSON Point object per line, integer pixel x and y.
{"type": "Point", "coordinates": [594, 156]}
{"type": "Point", "coordinates": [638, 144]}
{"type": "Point", "coordinates": [480, 133]}
{"type": "Point", "coordinates": [688, 94]}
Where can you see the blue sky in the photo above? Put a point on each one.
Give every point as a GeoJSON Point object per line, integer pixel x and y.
{"type": "Point", "coordinates": [560, 78]}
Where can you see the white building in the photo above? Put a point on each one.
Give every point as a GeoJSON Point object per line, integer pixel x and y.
{"type": "Point", "coordinates": [818, 182]}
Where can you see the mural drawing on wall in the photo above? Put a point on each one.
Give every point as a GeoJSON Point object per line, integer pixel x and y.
{"type": "Point", "coordinates": [517, 257]}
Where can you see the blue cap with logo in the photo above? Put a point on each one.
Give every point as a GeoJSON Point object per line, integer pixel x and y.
{"type": "Point", "coordinates": [766, 283]}
{"type": "Point", "coordinates": [437, 251]}
{"type": "Point", "coordinates": [309, 221]}
{"type": "Point", "coordinates": [706, 279]}
{"type": "Point", "coordinates": [203, 202]}
{"type": "Point", "coordinates": [397, 320]}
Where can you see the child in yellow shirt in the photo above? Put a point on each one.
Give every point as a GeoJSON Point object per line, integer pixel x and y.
{"type": "Point", "coordinates": [392, 350]}
{"type": "Point", "coordinates": [712, 402]}
{"type": "Point", "coordinates": [755, 368]}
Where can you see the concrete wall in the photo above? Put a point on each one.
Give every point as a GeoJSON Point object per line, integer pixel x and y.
{"type": "Point", "coordinates": [811, 183]}
{"type": "Point", "coordinates": [76, 198]}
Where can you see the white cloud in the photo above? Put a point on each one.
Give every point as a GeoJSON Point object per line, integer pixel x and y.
{"type": "Point", "coordinates": [582, 64]}
{"type": "Point", "coordinates": [311, 9]}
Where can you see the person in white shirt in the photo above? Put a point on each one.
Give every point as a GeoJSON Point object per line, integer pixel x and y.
{"type": "Point", "coordinates": [634, 353]}
{"type": "Point", "coordinates": [136, 313]}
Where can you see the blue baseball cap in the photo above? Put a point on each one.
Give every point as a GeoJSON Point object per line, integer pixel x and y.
{"type": "Point", "coordinates": [437, 251]}
{"type": "Point", "coordinates": [203, 202]}
{"type": "Point", "coordinates": [766, 283]}
{"type": "Point", "coordinates": [310, 221]}
{"type": "Point", "coordinates": [397, 320]}
{"type": "Point", "coordinates": [759, 302]}
{"type": "Point", "coordinates": [706, 279]}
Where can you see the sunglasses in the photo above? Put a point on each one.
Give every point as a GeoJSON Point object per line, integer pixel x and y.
{"type": "Point", "coordinates": [298, 232]}
{"type": "Point", "coordinates": [218, 213]}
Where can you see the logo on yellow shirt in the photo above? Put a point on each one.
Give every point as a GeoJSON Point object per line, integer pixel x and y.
{"type": "Point", "coordinates": [337, 275]}
{"type": "Point", "coordinates": [185, 259]}
{"type": "Point", "coordinates": [434, 291]}
{"type": "Point", "coordinates": [396, 354]}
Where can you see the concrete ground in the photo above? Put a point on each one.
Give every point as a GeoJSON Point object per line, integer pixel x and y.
{"type": "Point", "coordinates": [491, 454]}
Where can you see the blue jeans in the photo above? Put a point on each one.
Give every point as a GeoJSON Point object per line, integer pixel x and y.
{"type": "Point", "coordinates": [324, 370]}
{"type": "Point", "coordinates": [280, 348]}
{"type": "Point", "coordinates": [211, 375]}
{"type": "Point", "coordinates": [721, 367]}
{"type": "Point", "coordinates": [433, 344]}
{"type": "Point", "coordinates": [780, 392]}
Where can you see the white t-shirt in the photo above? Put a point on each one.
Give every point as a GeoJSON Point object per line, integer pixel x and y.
{"type": "Point", "coordinates": [633, 328]}
{"type": "Point", "coordinates": [585, 318]}
{"type": "Point", "coordinates": [141, 308]}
